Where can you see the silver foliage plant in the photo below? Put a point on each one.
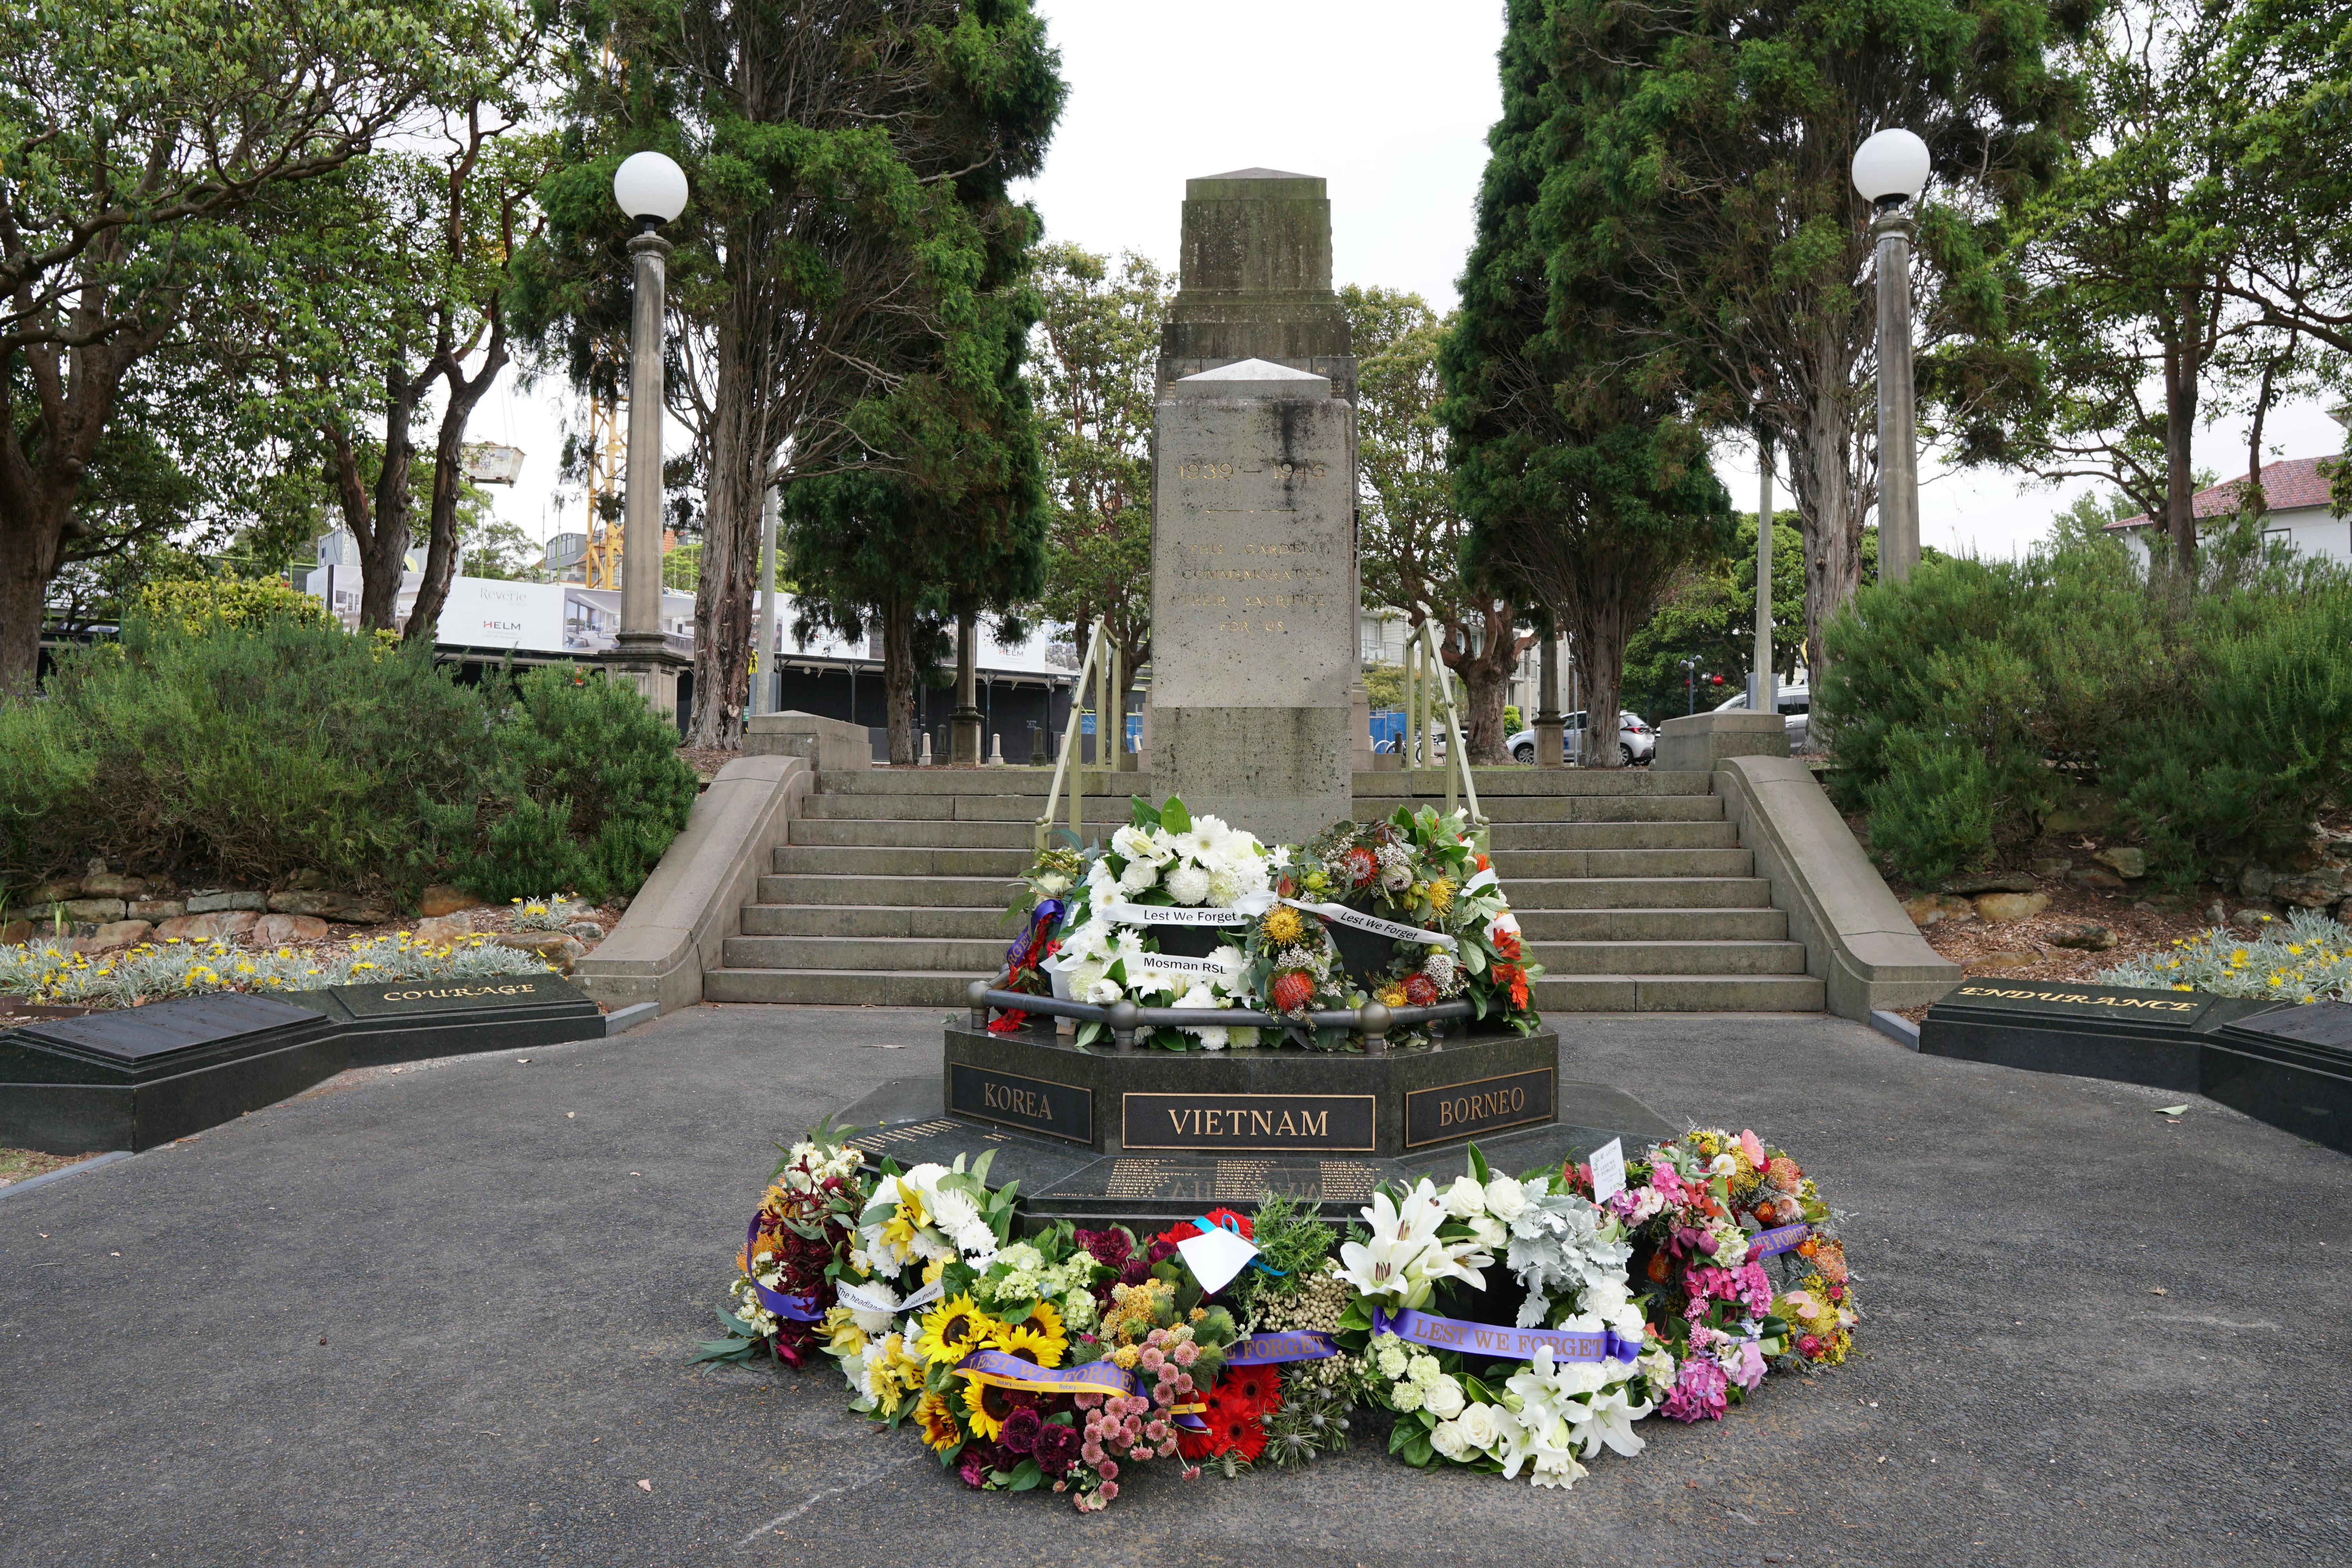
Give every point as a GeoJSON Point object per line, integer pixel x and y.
{"type": "Point", "coordinates": [2306, 957]}
{"type": "Point", "coordinates": [49, 971]}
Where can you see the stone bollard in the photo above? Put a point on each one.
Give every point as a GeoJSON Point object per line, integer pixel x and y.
{"type": "Point", "coordinates": [996, 750]}
{"type": "Point", "coordinates": [925, 759]}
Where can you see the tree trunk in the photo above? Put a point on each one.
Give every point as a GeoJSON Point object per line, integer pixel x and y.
{"type": "Point", "coordinates": [28, 552]}
{"type": "Point", "coordinates": [899, 677]}
{"type": "Point", "coordinates": [441, 561]}
{"type": "Point", "coordinates": [1485, 679]}
{"type": "Point", "coordinates": [1598, 636]}
{"type": "Point", "coordinates": [2180, 472]}
{"type": "Point", "coordinates": [1829, 508]}
{"type": "Point", "coordinates": [383, 549]}
{"type": "Point", "coordinates": [730, 554]}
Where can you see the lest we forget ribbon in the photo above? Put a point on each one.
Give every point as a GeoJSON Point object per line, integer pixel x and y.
{"type": "Point", "coordinates": [1495, 1342]}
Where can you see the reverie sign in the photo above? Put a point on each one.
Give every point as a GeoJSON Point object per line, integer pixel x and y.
{"type": "Point", "coordinates": [1467, 1109]}
{"type": "Point", "coordinates": [1277, 1121]}
{"type": "Point", "coordinates": [1031, 1104]}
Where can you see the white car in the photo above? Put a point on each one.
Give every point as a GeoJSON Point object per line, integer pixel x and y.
{"type": "Point", "coordinates": [1636, 742]}
{"type": "Point", "coordinates": [1796, 705]}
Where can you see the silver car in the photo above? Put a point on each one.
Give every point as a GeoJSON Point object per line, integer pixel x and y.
{"type": "Point", "coordinates": [1796, 706]}
{"type": "Point", "coordinates": [1636, 742]}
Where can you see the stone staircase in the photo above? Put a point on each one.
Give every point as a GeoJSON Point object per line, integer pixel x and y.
{"type": "Point", "coordinates": [1631, 886]}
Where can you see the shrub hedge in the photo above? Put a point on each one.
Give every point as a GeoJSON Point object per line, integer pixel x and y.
{"type": "Point", "coordinates": [248, 746]}
{"type": "Point", "coordinates": [1969, 704]}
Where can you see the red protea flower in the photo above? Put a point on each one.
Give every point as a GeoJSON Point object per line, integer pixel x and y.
{"type": "Point", "coordinates": [1361, 866]}
{"type": "Point", "coordinates": [1292, 989]}
{"type": "Point", "coordinates": [1420, 991]}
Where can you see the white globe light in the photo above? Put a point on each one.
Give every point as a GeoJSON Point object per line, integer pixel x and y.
{"type": "Point", "coordinates": [650, 184]}
{"type": "Point", "coordinates": [1892, 163]}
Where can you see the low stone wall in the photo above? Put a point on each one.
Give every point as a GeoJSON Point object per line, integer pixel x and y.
{"type": "Point", "coordinates": [694, 901]}
{"type": "Point", "coordinates": [1856, 936]}
{"type": "Point", "coordinates": [1696, 742]}
{"type": "Point", "coordinates": [826, 743]}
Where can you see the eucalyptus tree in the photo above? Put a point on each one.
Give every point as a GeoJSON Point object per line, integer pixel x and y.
{"type": "Point", "coordinates": [1094, 369]}
{"type": "Point", "coordinates": [1700, 153]}
{"type": "Point", "coordinates": [1409, 532]}
{"type": "Point", "coordinates": [139, 146]}
{"type": "Point", "coordinates": [848, 162]}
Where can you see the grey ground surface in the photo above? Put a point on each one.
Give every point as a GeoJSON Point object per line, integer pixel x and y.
{"type": "Point", "coordinates": [508, 1266]}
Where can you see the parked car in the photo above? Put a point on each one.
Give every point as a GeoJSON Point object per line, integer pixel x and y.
{"type": "Point", "coordinates": [1636, 742]}
{"type": "Point", "coordinates": [1796, 705]}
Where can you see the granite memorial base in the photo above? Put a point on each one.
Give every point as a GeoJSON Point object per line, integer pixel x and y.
{"type": "Point", "coordinates": [2288, 1065]}
{"type": "Point", "coordinates": [2152, 1038]}
{"type": "Point", "coordinates": [2291, 1067]}
{"type": "Point", "coordinates": [1097, 1135]}
{"type": "Point", "coordinates": [137, 1077]}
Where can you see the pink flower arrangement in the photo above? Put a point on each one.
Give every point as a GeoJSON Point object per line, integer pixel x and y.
{"type": "Point", "coordinates": [1698, 1392]}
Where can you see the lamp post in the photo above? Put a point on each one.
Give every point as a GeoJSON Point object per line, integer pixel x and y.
{"type": "Point", "coordinates": [1551, 740]}
{"type": "Point", "coordinates": [1889, 170]}
{"type": "Point", "coordinates": [650, 189]}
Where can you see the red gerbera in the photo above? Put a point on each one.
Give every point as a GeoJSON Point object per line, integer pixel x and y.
{"type": "Point", "coordinates": [1260, 1387]}
{"type": "Point", "coordinates": [1236, 1428]}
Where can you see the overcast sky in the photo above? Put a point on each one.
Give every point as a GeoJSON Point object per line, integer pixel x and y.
{"type": "Point", "coordinates": [1390, 101]}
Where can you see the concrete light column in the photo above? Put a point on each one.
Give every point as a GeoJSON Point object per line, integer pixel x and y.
{"type": "Point", "coordinates": [1551, 740]}
{"type": "Point", "coordinates": [644, 654]}
{"type": "Point", "coordinates": [765, 671]}
{"type": "Point", "coordinates": [966, 721]}
{"type": "Point", "coordinates": [1763, 696]}
{"type": "Point", "coordinates": [1898, 435]}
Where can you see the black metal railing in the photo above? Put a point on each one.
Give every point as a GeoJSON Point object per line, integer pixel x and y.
{"type": "Point", "coordinates": [1373, 1020]}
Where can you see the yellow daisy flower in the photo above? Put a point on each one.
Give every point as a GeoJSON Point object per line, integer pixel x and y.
{"type": "Point", "coordinates": [1042, 1349]}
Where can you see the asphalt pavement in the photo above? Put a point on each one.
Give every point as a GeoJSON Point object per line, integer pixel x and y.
{"type": "Point", "coordinates": [443, 1316]}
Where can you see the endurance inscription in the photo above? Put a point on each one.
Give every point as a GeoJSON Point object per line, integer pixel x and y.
{"type": "Point", "coordinates": [1032, 1105]}
{"type": "Point", "coordinates": [1278, 1122]}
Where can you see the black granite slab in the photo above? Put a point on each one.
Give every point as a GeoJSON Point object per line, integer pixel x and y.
{"type": "Point", "coordinates": [1266, 1101]}
{"type": "Point", "coordinates": [2291, 1067]}
{"type": "Point", "coordinates": [133, 1077]}
{"type": "Point", "coordinates": [905, 1121]}
{"type": "Point", "coordinates": [2132, 1035]}
{"type": "Point", "coordinates": [411, 1020]}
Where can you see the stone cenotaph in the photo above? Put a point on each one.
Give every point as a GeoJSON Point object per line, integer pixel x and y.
{"type": "Point", "coordinates": [1255, 715]}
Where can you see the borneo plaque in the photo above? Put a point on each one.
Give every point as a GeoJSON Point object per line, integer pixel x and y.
{"type": "Point", "coordinates": [1341, 1123]}
{"type": "Point", "coordinates": [1489, 1105]}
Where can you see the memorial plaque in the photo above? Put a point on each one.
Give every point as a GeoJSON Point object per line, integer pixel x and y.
{"type": "Point", "coordinates": [2059, 999]}
{"type": "Point", "coordinates": [1485, 1105]}
{"type": "Point", "coordinates": [1030, 1104]}
{"type": "Point", "coordinates": [407, 998]}
{"type": "Point", "coordinates": [1279, 1123]}
{"type": "Point", "coordinates": [2327, 1023]}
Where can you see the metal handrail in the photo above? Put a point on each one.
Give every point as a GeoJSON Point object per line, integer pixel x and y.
{"type": "Point", "coordinates": [1062, 762]}
{"type": "Point", "coordinates": [1373, 1019]}
{"type": "Point", "coordinates": [1457, 753]}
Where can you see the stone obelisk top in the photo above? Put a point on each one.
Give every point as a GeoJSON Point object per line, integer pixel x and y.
{"type": "Point", "coordinates": [1255, 279]}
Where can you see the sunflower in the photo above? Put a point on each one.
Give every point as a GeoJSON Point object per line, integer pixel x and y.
{"type": "Point", "coordinates": [1044, 1320]}
{"type": "Point", "coordinates": [938, 1416]}
{"type": "Point", "coordinates": [1043, 1350]}
{"type": "Point", "coordinates": [954, 1329]}
{"type": "Point", "coordinates": [987, 1406]}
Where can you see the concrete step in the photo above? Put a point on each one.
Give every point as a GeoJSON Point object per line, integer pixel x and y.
{"type": "Point", "coordinates": [1495, 784]}
{"type": "Point", "coordinates": [975, 959]}
{"type": "Point", "coordinates": [1578, 958]}
{"type": "Point", "coordinates": [1571, 994]}
{"type": "Point", "coordinates": [836, 806]}
{"type": "Point", "coordinates": [1637, 893]}
{"type": "Point", "coordinates": [1532, 865]}
{"type": "Point", "coordinates": [1560, 808]}
{"type": "Point", "coordinates": [1515, 836]}
{"type": "Point", "coordinates": [1006, 781]}
{"type": "Point", "coordinates": [1676, 994]}
{"type": "Point", "coordinates": [892, 832]}
{"type": "Point", "coordinates": [1639, 925]}
{"type": "Point", "coordinates": [839, 987]}
{"type": "Point", "coordinates": [850, 860]}
{"type": "Point", "coordinates": [928, 892]}
{"type": "Point", "coordinates": [984, 922]}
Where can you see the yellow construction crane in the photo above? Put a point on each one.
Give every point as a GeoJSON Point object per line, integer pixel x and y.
{"type": "Point", "coordinates": [608, 454]}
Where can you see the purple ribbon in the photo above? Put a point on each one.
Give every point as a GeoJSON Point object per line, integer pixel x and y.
{"type": "Point", "coordinates": [1099, 1376]}
{"type": "Point", "coordinates": [1295, 1344]}
{"type": "Point", "coordinates": [799, 1308]}
{"type": "Point", "coordinates": [1493, 1342]}
{"type": "Point", "coordinates": [1765, 1243]}
{"type": "Point", "coordinates": [1043, 915]}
